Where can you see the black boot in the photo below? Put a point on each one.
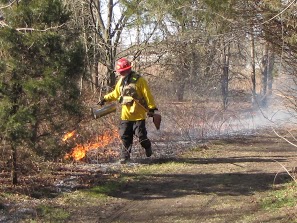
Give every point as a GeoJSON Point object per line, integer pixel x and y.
{"type": "Point", "coordinates": [125, 158]}
{"type": "Point", "coordinates": [125, 155]}
{"type": "Point", "coordinates": [148, 152]}
{"type": "Point", "coordinates": [146, 144]}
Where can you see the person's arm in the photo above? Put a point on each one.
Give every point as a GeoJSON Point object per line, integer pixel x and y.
{"type": "Point", "coordinates": [115, 94]}
{"type": "Point", "coordinates": [146, 93]}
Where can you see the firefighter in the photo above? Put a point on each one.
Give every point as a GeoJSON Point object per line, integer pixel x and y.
{"type": "Point", "coordinates": [133, 93]}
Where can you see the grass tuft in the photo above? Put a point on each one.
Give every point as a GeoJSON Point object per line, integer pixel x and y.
{"type": "Point", "coordinates": [52, 214]}
{"type": "Point", "coordinates": [285, 197]}
{"type": "Point", "coordinates": [103, 190]}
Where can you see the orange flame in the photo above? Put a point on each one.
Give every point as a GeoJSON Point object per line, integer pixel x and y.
{"type": "Point", "coordinates": [68, 135]}
{"type": "Point", "coordinates": [80, 150]}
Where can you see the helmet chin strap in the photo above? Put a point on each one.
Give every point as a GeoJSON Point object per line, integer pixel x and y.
{"type": "Point", "coordinates": [125, 73]}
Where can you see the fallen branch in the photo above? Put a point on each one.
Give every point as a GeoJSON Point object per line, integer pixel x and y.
{"type": "Point", "coordinates": [284, 138]}
{"type": "Point", "coordinates": [285, 170]}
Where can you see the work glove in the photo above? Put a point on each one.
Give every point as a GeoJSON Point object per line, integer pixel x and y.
{"type": "Point", "coordinates": [101, 102]}
{"type": "Point", "coordinates": [151, 112]}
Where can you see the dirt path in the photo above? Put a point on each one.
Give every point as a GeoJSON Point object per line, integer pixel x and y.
{"type": "Point", "coordinates": [223, 183]}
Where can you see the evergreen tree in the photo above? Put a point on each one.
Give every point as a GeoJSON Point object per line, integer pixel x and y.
{"type": "Point", "coordinates": [41, 61]}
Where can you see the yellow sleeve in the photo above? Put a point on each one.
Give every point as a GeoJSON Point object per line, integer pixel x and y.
{"type": "Point", "coordinates": [144, 91]}
{"type": "Point", "coordinates": [115, 94]}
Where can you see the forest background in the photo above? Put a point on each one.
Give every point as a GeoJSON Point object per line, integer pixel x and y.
{"type": "Point", "coordinates": [206, 61]}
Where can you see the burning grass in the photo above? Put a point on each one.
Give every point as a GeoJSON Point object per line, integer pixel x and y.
{"type": "Point", "coordinates": [68, 135]}
{"type": "Point", "coordinates": [99, 147]}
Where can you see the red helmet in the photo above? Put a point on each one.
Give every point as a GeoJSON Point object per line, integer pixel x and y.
{"type": "Point", "coordinates": [122, 65]}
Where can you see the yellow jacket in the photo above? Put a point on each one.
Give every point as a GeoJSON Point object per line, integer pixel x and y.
{"type": "Point", "coordinates": [133, 112]}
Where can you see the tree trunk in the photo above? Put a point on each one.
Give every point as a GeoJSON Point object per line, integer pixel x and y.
{"type": "Point", "coordinates": [180, 90]}
{"type": "Point", "coordinates": [14, 174]}
{"type": "Point", "coordinates": [271, 60]}
{"type": "Point", "coordinates": [253, 75]}
{"type": "Point", "coordinates": [265, 64]}
{"type": "Point", "coordinates": [95, 74]}
{"type": "Point", "coordinates": [211, 55]}
{"type": "Point", "coordinates": [225, 75]}
{"type": "Point", "coordinates": [17, 91]}
{"type": "Point", "coordinates": [111, 81]}
{"type": "Point", "coordinates": [194, 66]}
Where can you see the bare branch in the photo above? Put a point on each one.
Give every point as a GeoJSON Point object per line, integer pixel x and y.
{"type": "Point", "coordinates": [6, 6]}
{"type": "Point", "coordinates": [40, 30]}
{"type": "Point", "coordinates": [291, 3]}
{"type": "Point", "coordinates": [98, 9]}
{"type": "Point", "coordinates": [3, 24]}
{"type": "Point", "coordinates": [119, 28]}
{"type": "Point", "coordinates": [94, 20]}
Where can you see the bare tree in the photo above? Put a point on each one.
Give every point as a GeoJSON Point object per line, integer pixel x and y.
{"type": "Point", "coordinates": [225, 61]}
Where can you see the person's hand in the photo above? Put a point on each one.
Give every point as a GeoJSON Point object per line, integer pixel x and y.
{"type": "Point", "coordinates": [101, 102]}
{"type": "Point", "coordinates": [151, 112]}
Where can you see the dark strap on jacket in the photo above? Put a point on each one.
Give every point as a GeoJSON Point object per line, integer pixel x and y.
{"type": "Point", "coordinates": [131, 78]}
